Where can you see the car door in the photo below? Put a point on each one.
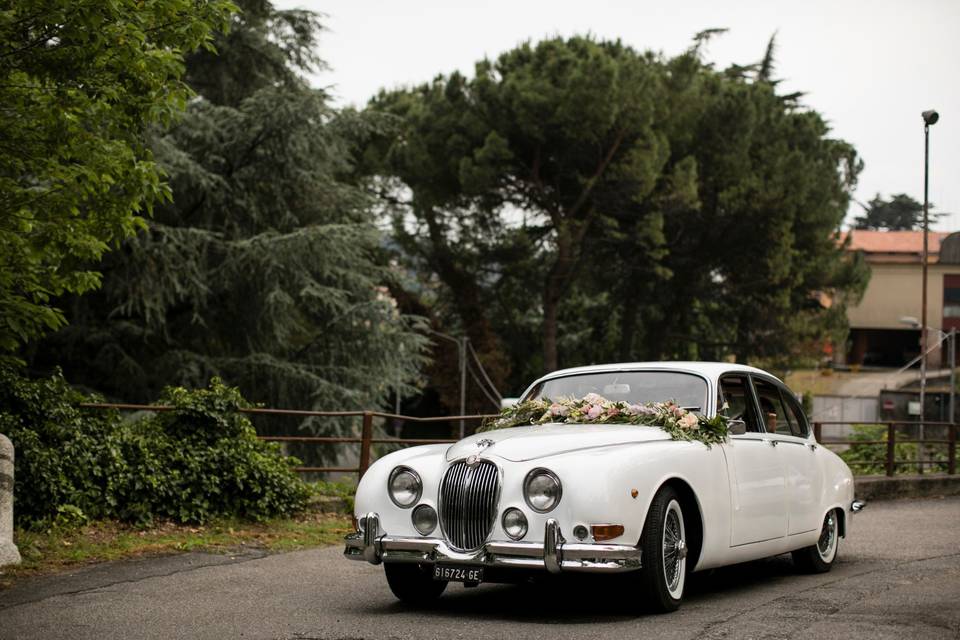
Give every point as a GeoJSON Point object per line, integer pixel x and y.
{"type": "Point", "coordinates": [758, 485]}
{"type": "Point", "coordinates": [798, 453]}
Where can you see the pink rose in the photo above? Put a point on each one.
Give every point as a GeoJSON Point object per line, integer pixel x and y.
{"type": "Point", "coordinates": [640, 410]}
{"type": "Point", "coordinates": [689, 421]}
{"type": "Point", "coordinates": [613, 411]}
{"type": "Point", "coordinates": [594, 412]}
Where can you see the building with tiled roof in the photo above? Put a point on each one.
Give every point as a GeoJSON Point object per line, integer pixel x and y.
{"type": "Point", "coordinates": [883, 327]}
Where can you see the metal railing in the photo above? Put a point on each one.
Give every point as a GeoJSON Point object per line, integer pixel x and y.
{"type": "Point", "coordinates": [890, 462]}
{"type": "Point", "coordinates": [365, 440]}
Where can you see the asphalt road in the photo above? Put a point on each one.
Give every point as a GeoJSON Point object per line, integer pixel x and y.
{"type": "Point", "coordinates": [898, 577]}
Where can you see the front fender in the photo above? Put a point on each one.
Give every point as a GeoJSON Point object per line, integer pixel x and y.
{"type": "Point", "coordinates": [426, 460]}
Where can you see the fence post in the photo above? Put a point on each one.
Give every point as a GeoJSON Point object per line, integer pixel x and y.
{"type": "Point", "coordinates": [365, 436]}
{"type": "Point", "coordinates": [891, 443]}
{"type": "Point", "coordinates": [818, 432]}
{"type": "Point", "coordinates": [952, 449]}
{"type": "Point", "coordinates": [9, 554]}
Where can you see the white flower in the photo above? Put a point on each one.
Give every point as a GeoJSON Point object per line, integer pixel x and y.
{"type": "Point", "coordinates": [689, 421]}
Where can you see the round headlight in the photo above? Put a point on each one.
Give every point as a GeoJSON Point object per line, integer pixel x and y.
{"type": "Point", "coordinates": [514, 523]}
{"type": "Point", "coordinates": [404, 487]}
{"type": "Point", "coordinates": [542, 490]}
{"type": "Point", "coordinates": [424, 519]}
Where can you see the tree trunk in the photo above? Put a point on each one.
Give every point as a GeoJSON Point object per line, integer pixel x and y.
{"type": "Point", "coordinates": [558, 281]}
{"type": "Point", "coordinates": [628, 328]}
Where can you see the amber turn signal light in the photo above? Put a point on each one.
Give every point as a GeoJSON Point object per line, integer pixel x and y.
{"type": "Point", "coordinates": [606, 531]}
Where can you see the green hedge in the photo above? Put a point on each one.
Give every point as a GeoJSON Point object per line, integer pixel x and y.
{"type": "Point", "coordinates": [200, 461]}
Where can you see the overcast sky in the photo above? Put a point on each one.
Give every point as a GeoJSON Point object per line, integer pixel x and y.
{"type": "Point", "coordinates": [870, 67]}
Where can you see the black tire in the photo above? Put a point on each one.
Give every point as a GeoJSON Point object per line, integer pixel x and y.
{"type": "Point", "coordinates": [819, 558]}
{"type": "Point", "coordinates": [413, 583]}
{"type": "Point", "coordinates": [663, 576]}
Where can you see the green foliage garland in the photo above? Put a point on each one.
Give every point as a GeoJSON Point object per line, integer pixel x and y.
{"type": "Point", "coordinates": [679, 423]}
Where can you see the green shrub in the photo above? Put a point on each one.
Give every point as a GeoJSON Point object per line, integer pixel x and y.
{"type": "Point", "coordinates": [875, 455]}
{"type": "Point", "coordinates": [199, 461]}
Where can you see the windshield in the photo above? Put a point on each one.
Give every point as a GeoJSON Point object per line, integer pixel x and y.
{"type": "Point", "coordinates": [687, 390]}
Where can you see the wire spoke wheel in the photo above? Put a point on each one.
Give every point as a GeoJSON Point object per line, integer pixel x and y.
{"type": "Point", "coordinates": [674, 550]}
{"type": "Point", "coordinates": [827, 544]}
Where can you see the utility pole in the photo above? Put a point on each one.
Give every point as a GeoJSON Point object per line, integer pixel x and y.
{"type": "Point", "coordinates": [462, 360]}
{"type": "Point", "coordinates": [953, 372]}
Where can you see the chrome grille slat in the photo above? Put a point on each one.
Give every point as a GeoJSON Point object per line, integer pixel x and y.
{"type": "Point", "coordinates": [468, 503]}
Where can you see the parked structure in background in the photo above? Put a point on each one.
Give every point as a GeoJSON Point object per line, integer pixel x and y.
{"type": "Point", "coordinates": [881, 334]}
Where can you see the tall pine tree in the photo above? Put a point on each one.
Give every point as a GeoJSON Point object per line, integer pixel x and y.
{"type": "Point", "coordinates": [266, 268]}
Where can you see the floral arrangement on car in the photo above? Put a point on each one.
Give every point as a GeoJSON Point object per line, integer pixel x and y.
{"type": "Point", "coordinates": [593, 408]}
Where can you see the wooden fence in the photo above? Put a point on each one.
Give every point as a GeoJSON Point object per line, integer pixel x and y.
{"type": "Point", "coordinates": [366, 439]}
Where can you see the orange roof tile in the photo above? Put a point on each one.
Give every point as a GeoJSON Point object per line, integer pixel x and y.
{"type": "Point", "coordinates": [911, 242]}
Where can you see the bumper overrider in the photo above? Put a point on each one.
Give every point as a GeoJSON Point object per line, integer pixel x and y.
{"type": "Point", "coordinates": [554, 554]}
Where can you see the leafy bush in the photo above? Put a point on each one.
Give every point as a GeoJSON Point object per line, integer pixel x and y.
{"type": "Point", "coordinates": [198, 461]}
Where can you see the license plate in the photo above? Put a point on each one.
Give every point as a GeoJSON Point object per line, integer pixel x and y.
{"type": "Point", "coordinates": [452, 573]}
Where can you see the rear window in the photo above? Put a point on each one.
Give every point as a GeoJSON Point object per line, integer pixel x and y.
{"type": "Point", "coordinates": [686, 389]}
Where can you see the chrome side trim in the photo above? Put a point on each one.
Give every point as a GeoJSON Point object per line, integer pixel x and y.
{"type": "Point", "coordinates": [554, 555]}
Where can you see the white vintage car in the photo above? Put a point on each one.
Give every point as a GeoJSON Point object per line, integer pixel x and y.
{"type": "Point", "coordinates": [554, 498]}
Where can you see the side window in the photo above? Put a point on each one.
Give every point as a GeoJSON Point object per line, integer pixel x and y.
{"type": "Point", "coordinates": [772, 410]}
{"type": "Point", "coordinates": [798, 422]}
{"type": "Point", "coordinates": [735, 392]}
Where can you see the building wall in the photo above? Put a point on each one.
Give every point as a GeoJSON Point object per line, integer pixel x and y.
{"type": "Point", "coordinates": [894, 292]}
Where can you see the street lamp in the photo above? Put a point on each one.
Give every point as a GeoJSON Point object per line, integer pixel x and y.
{"type": "Point", "coordinates": [929, 117]}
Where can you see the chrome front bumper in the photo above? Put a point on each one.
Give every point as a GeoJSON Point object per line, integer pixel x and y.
{"type": "Point", "coordinates": [554, 555]}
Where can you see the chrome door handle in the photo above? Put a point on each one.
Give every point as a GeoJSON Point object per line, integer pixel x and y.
{"type": "Point", "coordinates": [813, 447]}
{"type": "Point", "coordinates": [773, 443]}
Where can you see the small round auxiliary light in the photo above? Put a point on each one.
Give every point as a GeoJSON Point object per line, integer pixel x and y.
{"type": "Point", "coordinates": [424, 519]}
{"type": "Point", "coordinates": [514, 523]}
{"type": "Point", "coordinates": [580, 532]}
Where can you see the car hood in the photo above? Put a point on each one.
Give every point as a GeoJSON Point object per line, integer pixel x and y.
{"type": "Point", "coordinates": [539, 441]}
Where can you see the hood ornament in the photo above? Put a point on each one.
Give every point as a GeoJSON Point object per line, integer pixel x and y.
{"type": "Point", "coordinates": [486, 442]}
{"type": "Point", "coordinates": [472, 460]}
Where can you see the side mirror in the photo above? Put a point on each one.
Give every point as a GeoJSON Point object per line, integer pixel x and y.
{"type": "Point", "coordinates": [736, 427]}
{"type": "Point", "coordinates": [506, 403]}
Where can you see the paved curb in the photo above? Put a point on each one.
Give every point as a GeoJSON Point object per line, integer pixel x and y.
{"type": "Point", "coordinates": [925, 486]}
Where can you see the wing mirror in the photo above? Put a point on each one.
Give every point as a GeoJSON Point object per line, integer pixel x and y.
{"type": "Point", "coordinates": [736, 427]}
{"type": "Point", "coordinates": [506, 403]}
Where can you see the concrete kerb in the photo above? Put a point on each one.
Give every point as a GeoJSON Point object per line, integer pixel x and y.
{"type": "Point", "coordinates": [887, 488]}
{"type": "Point", "coordinates": [9, 554]}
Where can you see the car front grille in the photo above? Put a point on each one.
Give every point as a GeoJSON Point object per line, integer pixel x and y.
{"type": "Point", "coordinates": [468, 503]}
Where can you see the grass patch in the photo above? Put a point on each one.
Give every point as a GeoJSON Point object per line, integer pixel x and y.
{"type": "Point", "coordinates": [58, 550]}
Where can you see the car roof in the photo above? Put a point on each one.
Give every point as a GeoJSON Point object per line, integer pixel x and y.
{"type": "Point", "coordinates": [711, 370]}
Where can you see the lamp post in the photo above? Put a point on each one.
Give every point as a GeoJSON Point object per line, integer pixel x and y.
{"type": "Point", "coordinates": [929, 117]}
